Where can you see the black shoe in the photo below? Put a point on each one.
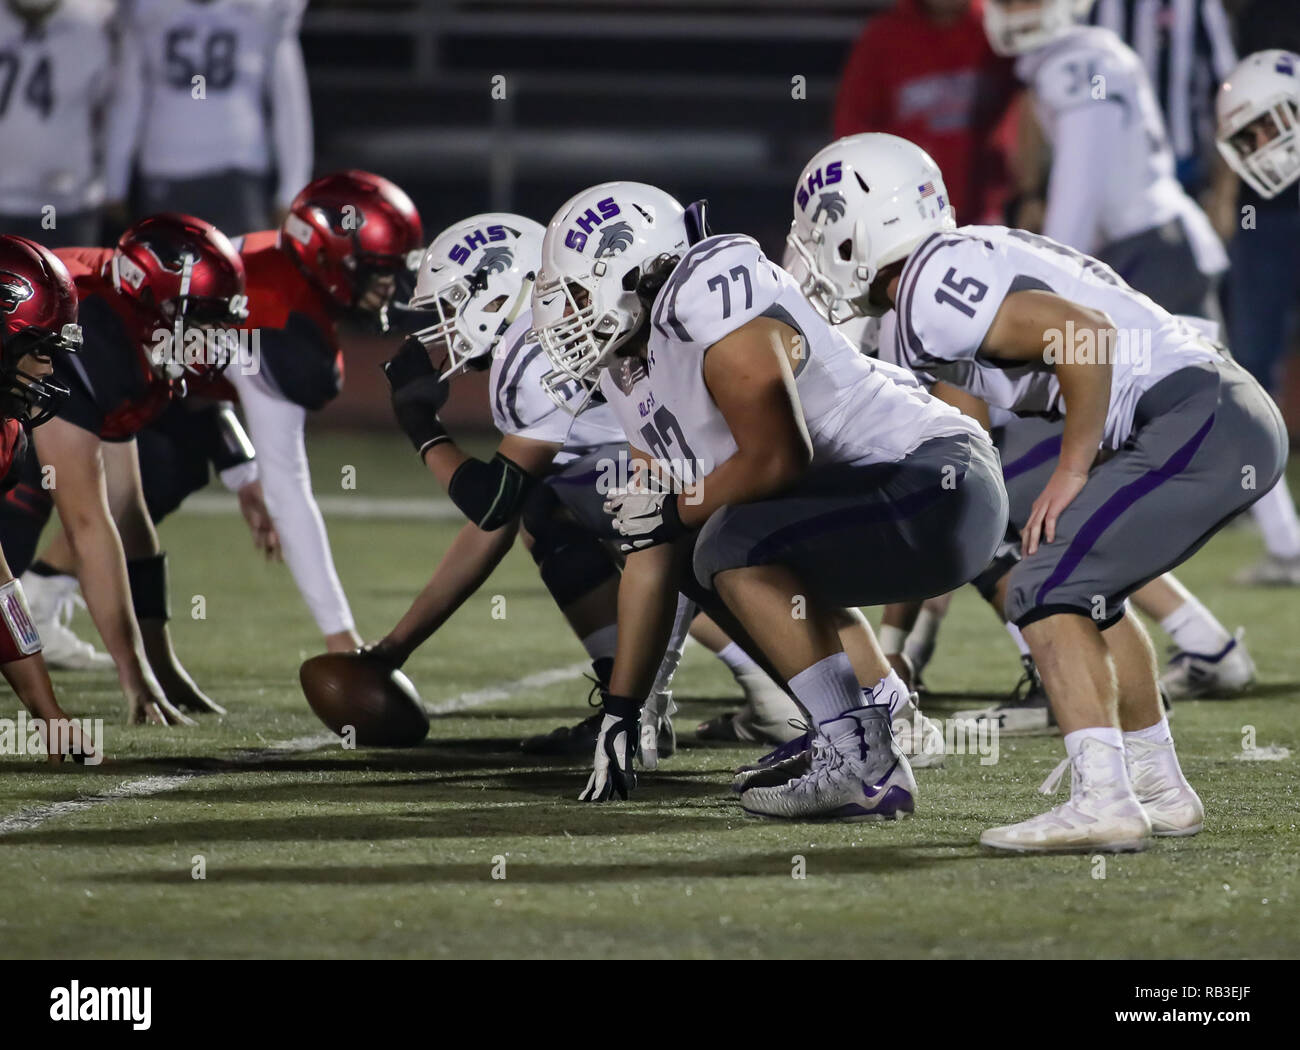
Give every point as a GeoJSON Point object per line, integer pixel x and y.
{"type": "Point", "coordinates": [1026, 712]}
{"type": "Point", "coordinates": [577, 740]}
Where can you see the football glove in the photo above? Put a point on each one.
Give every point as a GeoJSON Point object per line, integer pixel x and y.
{"type": "Point", "coordinates": [645, 519]}
{"type": "Point", "coordinates": [418, 394]}
{"type": "Point", "coordinates": [616, 747]}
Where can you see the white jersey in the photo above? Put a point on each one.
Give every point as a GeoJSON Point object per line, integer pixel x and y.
{"type": "Point", "coordinates": [247, 54]}
{"type": "Point", "coordinates": [954, 284]}
{"type": "Point", "coordinates": [521, 406]}
{"type": "Point", "coordinates": [857, 411]}
{"type": "Point", "coordinates": [1112, 166]}
{"type": "Point", "coordinates": [66, 141]}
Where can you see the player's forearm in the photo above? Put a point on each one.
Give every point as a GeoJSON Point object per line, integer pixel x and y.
{"type": "Point", "coordinates": [466, 565]}
{"type": "Point", "coordinates": [443, 460]}
{"type": "Point", "coordinates": [1086, 391]}
{"type": "Point", "coordinates": [744, 478]}
{"type": "Point", "coordinates": [647, 605]}
{"type": "Point", "coordinates": [107, 590]}
{"type": "Point", "coordinates": [30, 680]}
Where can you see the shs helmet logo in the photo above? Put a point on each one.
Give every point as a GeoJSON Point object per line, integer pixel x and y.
{"type": "Point", "coordinates": [576, 238]}
{"type": "Point", "coordinates": [475, 239]}
{"type": "Point", "coordinates": [817, 180]}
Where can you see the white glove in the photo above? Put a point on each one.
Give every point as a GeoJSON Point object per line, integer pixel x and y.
{"type": "Point", "coordinates": [646, 518]}
{"type": "Point", "coordinates": [612, 772]}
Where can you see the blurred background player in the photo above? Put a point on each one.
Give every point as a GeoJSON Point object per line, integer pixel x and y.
{"type": "Point", "coordinates": [170, 281]}
{"type": "Point", "coordinates": [66, 118]}
{"type": "Point", "coordinates": [341, 252]}
{"type": "Point", "coordinates": [1253, 106]}
{"type": "Point", "coordinates": [923, 70]}
{"type": "Point", "coordinates": [38, 302]}
{"type": "Point", "coordinates": [225, 129]}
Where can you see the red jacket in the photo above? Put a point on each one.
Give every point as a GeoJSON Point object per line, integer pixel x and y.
{"type": "Point", "coordinates": [941, 87]}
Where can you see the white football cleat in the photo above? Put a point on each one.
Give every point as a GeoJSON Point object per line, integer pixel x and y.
{"type": "Point", "coordinates": [764, 718]}
{"type": "Point", "coordinates": [856, 773]}
{"type": "Point", "coordinates": [658, 737]}
{"type": "Point", "coordinates": [1225, 673]}
{"type": "Point", "coordinates": [1271, 571]}
{"type": "Point", "coordinates": [918, 737]}
{"type": "Point", "coordinates": [1170, 802]}
{"type": "Point", "coordinates": [53, 599]}
{"type": "Point", "coordinates": [1103, 815]}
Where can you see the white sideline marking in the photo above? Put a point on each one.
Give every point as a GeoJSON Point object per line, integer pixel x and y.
{"type": "Point", "coordinates": [209, 504]}
{"type": "Point", "coordinates": [35, 816]}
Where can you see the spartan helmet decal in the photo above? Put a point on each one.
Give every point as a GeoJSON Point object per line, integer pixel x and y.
{"type": "Point", "coordinates": [614, 239]}
{"type": "Point", "coordinates": [833, 204]}
{"type": "Point", "coordinates": [497, 259]}
{"type": "Point", "coordinates": [14, 289]}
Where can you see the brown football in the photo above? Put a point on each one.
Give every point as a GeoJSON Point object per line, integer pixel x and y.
{"type": "Point", "coordinates": [357, 690]}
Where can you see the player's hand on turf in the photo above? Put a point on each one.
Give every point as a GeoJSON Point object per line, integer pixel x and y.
{"type": "Point", "coordinates": [1059, 492]}
{"type": "Point", "coordinates": [147, 704]}
{"type": "Point", "coordinates": [645, 519]}
{"type": "Point", "coordinates": [418, 394]}
{"type": "Point", "coordinates": [252, 506]}
{"type": "Point", "coordinates": [620, 733]}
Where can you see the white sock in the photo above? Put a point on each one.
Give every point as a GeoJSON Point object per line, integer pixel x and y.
{"type": "Point", "coordinates": [736, 659]}
{"type": "Point", "coordinates": [889, 690]}
{"type": "Point", "coordinates": [1275, 514]}
{"type": "Point", "coordinates": [1155, 734]}
{"type": "Point", "coordinates": [920, 642]}
{"type": "Point", "coordinates": [1116, 770]}
{"type": "Point", "coordinates": [828, 688]}
{"type": "Point", "coordinates": [1018, 638]}
{"type": "Point", "coordinates": [601, 643]}
{"type": "Point", "coordinates": [1194, 629]}
{"type": "Point", "coordinates": [892, 639]}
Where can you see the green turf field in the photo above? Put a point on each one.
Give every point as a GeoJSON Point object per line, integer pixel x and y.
{"type": "Point", "coordinates": [311, 850]}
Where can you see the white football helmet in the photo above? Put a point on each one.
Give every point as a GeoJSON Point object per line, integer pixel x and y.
{"type": "Point", "coordinates": [476, 276]}
{"type": "Point", "coordinates": [1014, 26]}
{"type": "Point", "coordinates": [1258, 112]}
{"type": "Point", "coordinates": [863, 202]}
{"type": "Point", "coordinates": [597, 248]}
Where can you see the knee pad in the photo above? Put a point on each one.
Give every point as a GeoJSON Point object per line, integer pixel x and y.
{"type": "Point", "coordinates": [571, 560]}
{"type": "Point", "coordinates": [148, 577]}
{"type": "Point", "coordinates": [1006, 558]}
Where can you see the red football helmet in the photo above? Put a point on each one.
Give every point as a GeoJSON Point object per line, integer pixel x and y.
{"type": "Point", "coordinates": [187, 281]}
{"type": "Point", "coordinates": [348, 227]}
{"type": "Point", "coordinates": [38, 308]}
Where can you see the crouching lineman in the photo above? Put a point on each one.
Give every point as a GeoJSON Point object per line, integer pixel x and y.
{"type": "Point", "coordinates": [544, 478]}
{"type": "Point", "coordinates": [1187, 441]}
{"type": "Point", "coordinates": [39, 303]}
{"type": "Point", "coordinates": [795, 478]}
{"type": "Point", "coordinates": [341, 251]}
{"type": "Point", "coordinates": [140, 304]}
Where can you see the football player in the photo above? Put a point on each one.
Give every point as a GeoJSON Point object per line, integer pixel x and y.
{"type": "Point", "coordinates": [1165, 440]}
{"type": "Point", "coordinates": [225, 128]}
{"type": "Point", "coordinates": [1113, 193]}
{"type": "Point", "coordinates": [342, 250]}
{"type": "Point", "coordinates": [153, 310]}
{"type": "Point", "coordinates": [68, 118]}
{"type": "Point", "coordinates": [38, 307]}
{"type": "Point", "coordinates": [781, 470]}
{"type": "Point", "coordinates": [543, 482]}
{"type": "Point", "coordinates": [1258, 112]}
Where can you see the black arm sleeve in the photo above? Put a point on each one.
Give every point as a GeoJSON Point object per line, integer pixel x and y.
{"type": "Point", "coordinates": [490, 494]}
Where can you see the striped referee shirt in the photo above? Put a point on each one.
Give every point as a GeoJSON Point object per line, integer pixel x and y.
{"type": "Point", "coordinates": [1186, 47]}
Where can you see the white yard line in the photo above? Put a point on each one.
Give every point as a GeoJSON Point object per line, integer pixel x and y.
{"type": "Point", "coordinates": [339, 506]}
{"type": "Point", "coordinates": [34, 816]}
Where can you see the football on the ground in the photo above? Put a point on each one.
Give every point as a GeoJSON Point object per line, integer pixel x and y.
{"type": "Point", "coordinates": [357, 693]}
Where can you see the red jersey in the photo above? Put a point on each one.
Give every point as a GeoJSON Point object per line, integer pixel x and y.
{"type": "Point", "coordinates": [114, 391]}
{"type": "Point", "coordinates": [940, 86]}
{"type": "Point", "coordinates": [299, 349]}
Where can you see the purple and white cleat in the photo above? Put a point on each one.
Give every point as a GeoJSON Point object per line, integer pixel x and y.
{"type": "Point", "coordinates": [855, 772]}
